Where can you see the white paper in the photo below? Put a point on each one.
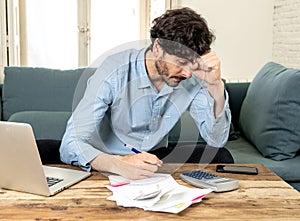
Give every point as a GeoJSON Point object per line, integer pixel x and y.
{"type": "Point", "coordinates": [166, 194]}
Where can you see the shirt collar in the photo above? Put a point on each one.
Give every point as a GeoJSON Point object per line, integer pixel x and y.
{"type": "Point", "coordinates": [144, 80]}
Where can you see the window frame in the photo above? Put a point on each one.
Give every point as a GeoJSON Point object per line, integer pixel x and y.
{"type": "Point", "coordinates": [3, 39]}
{"type": "Point", "coordinates": [83, 24]}
{"type": "Point", "coordinates": [13, 44]}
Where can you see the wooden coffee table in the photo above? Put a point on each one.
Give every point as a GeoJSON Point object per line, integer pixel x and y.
{"type": "Point", "coordinates": [260, 197]}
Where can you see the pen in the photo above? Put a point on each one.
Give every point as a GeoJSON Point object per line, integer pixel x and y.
{"type": "Point", "coordinates": [132, 148]}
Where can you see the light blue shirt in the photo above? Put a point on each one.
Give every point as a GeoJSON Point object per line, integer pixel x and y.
{"type": "Point", "coordinates": [121, 106]}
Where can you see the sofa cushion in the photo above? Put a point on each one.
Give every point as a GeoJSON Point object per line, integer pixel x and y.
{"type": "Point", "coordinates": [38, 89]}
{"type": "Point", "coordinates": [245, 153]}
{"type": "Point", "coordinates": [237, 93]}
{"type": "Point", "coordinates": [269, 115]}
{"type": "Point", "coordinates": [48, 125]}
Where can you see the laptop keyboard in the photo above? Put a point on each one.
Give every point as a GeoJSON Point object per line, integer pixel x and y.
{"type": "Point", "coordinates": [52, 181]}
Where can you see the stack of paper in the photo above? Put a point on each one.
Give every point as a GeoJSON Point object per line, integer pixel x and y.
{"type": "Point", "coordinates": [158, 193]}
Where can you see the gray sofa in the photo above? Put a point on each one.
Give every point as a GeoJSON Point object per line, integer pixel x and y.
{"type": "Point", "coordinates": [45, 98]}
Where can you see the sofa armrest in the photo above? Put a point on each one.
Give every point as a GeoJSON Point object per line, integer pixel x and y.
{"type": "Point", "coordinates": [237, 93]}
{"type": "Point", "coordinates": [1, 86]}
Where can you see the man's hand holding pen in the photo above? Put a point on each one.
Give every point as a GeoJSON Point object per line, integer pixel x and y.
{"type": "Point", "coordinates": [139, 166]}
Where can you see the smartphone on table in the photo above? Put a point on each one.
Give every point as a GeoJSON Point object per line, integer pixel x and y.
{"type": "Point", "coordinates": [237, 169]}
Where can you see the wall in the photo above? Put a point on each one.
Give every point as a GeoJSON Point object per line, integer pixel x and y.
{"type": "Point", "coordinates": [244, 33]}
{"type": "Point", "coordinates": [286, 46]}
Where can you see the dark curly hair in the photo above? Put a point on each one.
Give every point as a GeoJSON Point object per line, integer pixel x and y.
{"type": "Point", "coordinates": [182, 32]}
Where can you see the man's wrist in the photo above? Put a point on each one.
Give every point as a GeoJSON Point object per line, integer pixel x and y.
{"type": "Point", "coordinates": [103, 162]}
{"type": "Point", "coordinates": [217, 91]}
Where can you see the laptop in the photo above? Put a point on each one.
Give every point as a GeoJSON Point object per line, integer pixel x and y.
{"type": "Point", "coordinates": [21, 168]}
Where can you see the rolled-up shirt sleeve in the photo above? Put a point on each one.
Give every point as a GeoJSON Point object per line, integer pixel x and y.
{"type": "Point", "coordinates": [82, 142]}
{"type": "Point", "coordinates": [76, 151]}
{"type": "Point", "coordinates": [214, 130]}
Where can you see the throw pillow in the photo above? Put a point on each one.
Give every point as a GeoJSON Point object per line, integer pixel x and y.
{"type": "Point", "coordinates": [269, 115]}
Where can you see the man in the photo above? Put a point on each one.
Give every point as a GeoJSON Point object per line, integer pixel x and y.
{"type": "Point", "coordinates": [136, 97]}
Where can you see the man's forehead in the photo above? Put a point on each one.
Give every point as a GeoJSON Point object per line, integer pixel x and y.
{"type": "Point", "coordinates": [191, 59]}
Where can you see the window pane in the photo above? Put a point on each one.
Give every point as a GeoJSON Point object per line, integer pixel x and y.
{"type": "Point", "coordinates": [157, 8]}
{"type": "Point", "coordinates": [52, 39]}
{"type": "Point", "coordinates": [113, 22]}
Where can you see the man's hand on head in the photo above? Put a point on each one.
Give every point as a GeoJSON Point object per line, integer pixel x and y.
{"type": "Point", "coordinates": [208, 68]}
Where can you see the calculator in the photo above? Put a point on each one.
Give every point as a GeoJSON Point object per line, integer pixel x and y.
{"type": "Point", "coordinates": [208, 180]}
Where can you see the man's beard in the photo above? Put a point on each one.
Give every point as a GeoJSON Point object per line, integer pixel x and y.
{"type": "Point", "coordinates": [163, 71]}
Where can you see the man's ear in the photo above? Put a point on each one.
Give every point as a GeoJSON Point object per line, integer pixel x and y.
{"type": "Point", "coordinates": [157, 50]}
